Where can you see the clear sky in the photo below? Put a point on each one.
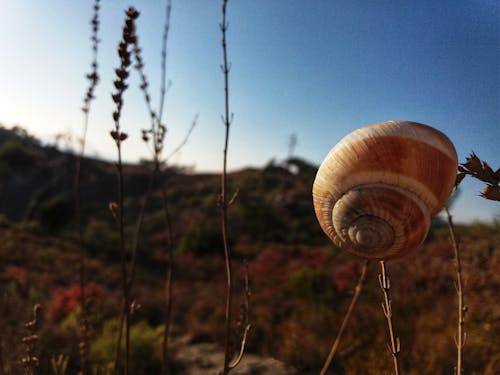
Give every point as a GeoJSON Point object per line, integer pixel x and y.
{"type": "Point", "coordinates": [317, 69]}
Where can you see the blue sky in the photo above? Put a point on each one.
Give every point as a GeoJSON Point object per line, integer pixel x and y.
{"type": "Point", "coordinates": [319, 69]}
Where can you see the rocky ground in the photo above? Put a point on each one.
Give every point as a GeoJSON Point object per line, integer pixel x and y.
{"type": "Point", "coordinates": [206, 359]}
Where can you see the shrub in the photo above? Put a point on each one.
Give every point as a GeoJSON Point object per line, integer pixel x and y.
{"type": "Point", "coordinates": [310, 284]}
{"type": "Point", "coordinates": [145, 343]}
{"type": "Point", "coordinates": [202, 241]}
{"type": "Point", "coordinates": [65, 301]}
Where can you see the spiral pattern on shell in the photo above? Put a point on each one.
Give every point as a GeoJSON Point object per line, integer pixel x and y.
{"type": "Point", "coordinates": [376, 191]}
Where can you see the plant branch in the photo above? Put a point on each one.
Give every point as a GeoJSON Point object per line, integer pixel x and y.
{"type": "Point", "coordinates": [223, 199]}
{"type": "Point", "coordinates": [129, 38]}
{"type": "Point", "coordinates": [168, 281]}
{"type": "Point", "coordinates": [185, 140]}
{"type": "Point", "coordinates": [93, 78]}
{"type": "Point", "coordinates": [462, 309]}
{"type": "Point", "coordinates": [245, 320]}
{"type": "Point", "coordinates": [163, 89]}
{"type": "Point", "coordinates": [2, 371]}
{"type": "Point", "coordinates": [347, 316]}
{"type": "Point", "coordinates": [385, 285]}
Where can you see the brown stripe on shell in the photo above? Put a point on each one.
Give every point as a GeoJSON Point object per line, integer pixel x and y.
{"type": "Point", "coordinates": [414, 165]}
{"type": "Point", "coordinates": [411, 156]}
{"type": "Point", "coordinates": [405, 129]}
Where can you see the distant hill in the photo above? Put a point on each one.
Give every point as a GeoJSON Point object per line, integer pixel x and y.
{"type": "Point", "coordinates": [273, 204]}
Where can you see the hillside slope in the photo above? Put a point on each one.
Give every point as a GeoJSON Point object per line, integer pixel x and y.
{"type": "Point", "coordinates": [300, 283]}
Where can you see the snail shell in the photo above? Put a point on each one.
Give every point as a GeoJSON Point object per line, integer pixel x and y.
{"type": "Point", "coordinates": [376, 191]}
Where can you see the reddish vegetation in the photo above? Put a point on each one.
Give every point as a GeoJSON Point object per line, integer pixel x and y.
{"type": "Point", "coordinates": [299, 295]}
{"type": "Point", "coordinates": [16, 273]}
{"type": "Point", "coordinates": [66, 300]}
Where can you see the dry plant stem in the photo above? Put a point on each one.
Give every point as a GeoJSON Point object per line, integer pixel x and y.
{"type": "Point", "coordinates": [157, 146]}
{"type": "Point", "coordinates": [347, 316]}
{"type": "Point", "coordinates": [223, 199]}
{"type": "Point", "coordinates": [460, 338]}
{"type": "Point", "coordinates": [93, 77]}
{"type": "Point", "coordinates": [157, 131]}
{"type": "Point", "coordinates": [185, 140]}
{"type": "Point", "coordinates": [163, 89]}
{"type": "Point", "coordinates": [125, 307]}
{"type": "Point", "coordinates": [31, 360]}
{"type": "Point", "coordinates": [84, 326]}
{"type": "Point", "coordinates": [2, 371]}
{"type": "Point", "coordinates": [129, 38]}
{"type": "Point", "coordinates": [139, 224]}
{"type": "Point", "coordinates": [168, 282]}
{"type": "Point", "coordinates": [119, 339]}
{"type": "Point", "coordinates": [244, 320]}
{"type": "Point", "coordinates": [385, 285]}
{"type": "Point", "coordinates": [123, 256]}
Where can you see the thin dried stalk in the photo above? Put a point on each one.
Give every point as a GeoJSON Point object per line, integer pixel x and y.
{"type": "Point", "coordinates": [157, 132]}
{"type": "Point", "coordinates": [244, 320]}
{"type": "Point", "coordinates": [2, 371]}
{"type": "Point", "coordinates": [223, 199]}
{"type": "Point", "coordinates": [168, 284]}
{"type": "Point", "coordinates": [462, 309]}
{"type": "Point", "coordinates": [128, 39]}
{"type": "Point", "coordinates": [163, 89]}
{"type": "Point", "coordinates": [385, 285]}
{"type": "Point", "coordinates": [347, 316]}
{"type": "Point", "coordinates": [31, 360]}
{"type": "Point", "coordinates": [93, 78]}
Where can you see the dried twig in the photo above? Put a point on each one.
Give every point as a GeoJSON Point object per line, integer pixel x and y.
{"type": "Point", "coordinates": [128, 39]}
{"type": "Point", "coordinates": [2, 371]}
{"type": "Point", "coordinates": [244, 320]}
{"type": "Point", "coordinates": [223, 202]}
{"type": "Point", "coordinates": [336, 343]}
{"type": "Point", "coordinates": [157, 132]}
{"type": "Point", "coordinates": [168, 282]}
{"type": "Point", "coordinates": [462, 309]}
{"type": "Point", "coordinates": [385, 285]}
{"type": "Point", "coordinates": [164, 87]}
{"type": "Point", "coordinates": [93, 78]}
{"type": "Point", "coordinates": [30, 361]}
{"type": "Point", "coordinates": [185, 140]}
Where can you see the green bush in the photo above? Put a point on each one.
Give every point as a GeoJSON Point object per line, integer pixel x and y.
{"type": "Point", "coordinates": [145, 343]}
{"type": "Point", "coordinates": [102, 238]}
{"type": "Point", "coordinates": [314, 285]}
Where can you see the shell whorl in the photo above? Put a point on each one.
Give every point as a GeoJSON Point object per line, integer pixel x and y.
{"type": "Point", "coordinates": [377, 189]}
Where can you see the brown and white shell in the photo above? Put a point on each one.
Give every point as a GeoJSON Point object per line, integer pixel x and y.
{"type": "Point", "coordinates": [376, 191]}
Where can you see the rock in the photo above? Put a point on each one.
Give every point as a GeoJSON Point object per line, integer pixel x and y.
{"type": "Point", "coordinates": [207, 359]}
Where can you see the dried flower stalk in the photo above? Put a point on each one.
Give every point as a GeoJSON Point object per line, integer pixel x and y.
{"type": "Point", "coordinates": [395, 347]}
{"type": "Point", "coordinates": [347, 316]}
{"type": "Point", "coordinates": [224, 203]}
{"type": "Point", "coordinates": [462, 309]}
{"type": "Point", "coordinates": [31, 361]}
{"type": "Point", "coordinates": [93, 77]}
{"type": "Point", "coordinates": [128, 39]}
